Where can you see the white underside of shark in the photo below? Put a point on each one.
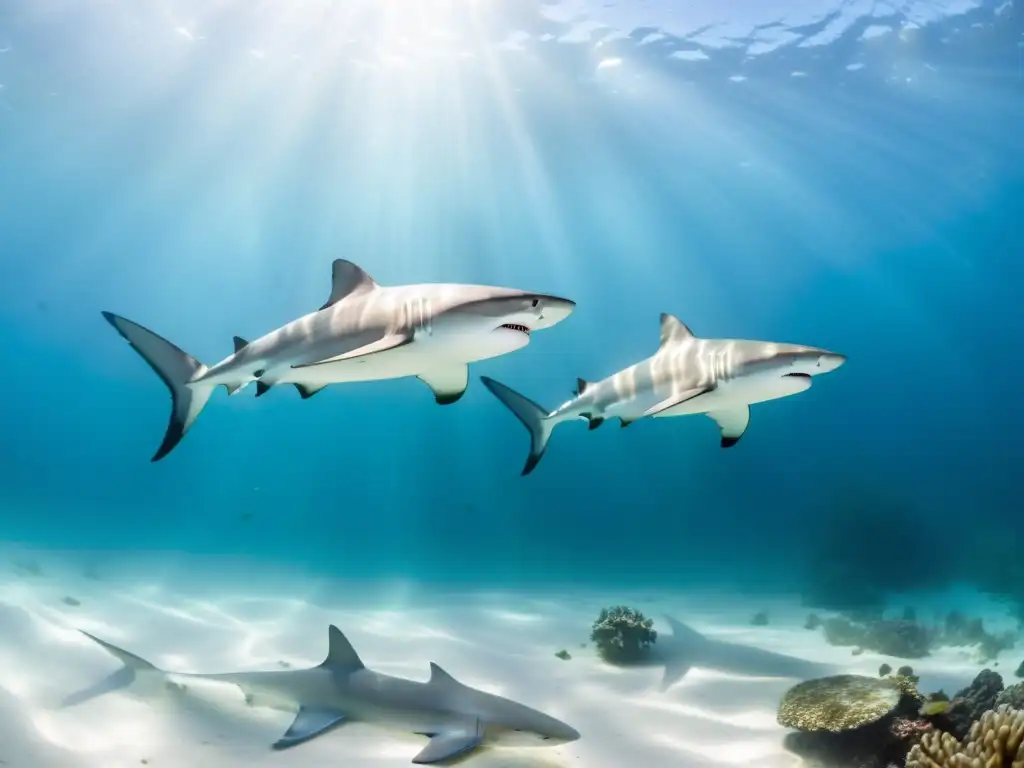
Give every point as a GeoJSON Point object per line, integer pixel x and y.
{"type": "Point", "coordinates": [687, 375]}
{"type": "Point", "coordinates": [364, 332]}
{"type": "Point", "coordinates": [456, 718]}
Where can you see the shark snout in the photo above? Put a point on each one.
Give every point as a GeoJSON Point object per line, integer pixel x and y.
{"type": "Point", "coordinates": [829, 361]}
{"type": "Point", "coordinates": [550, 310]}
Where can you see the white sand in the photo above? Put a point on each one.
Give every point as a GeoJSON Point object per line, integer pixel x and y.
{"type": "Point", "coordinates": [194, 616]}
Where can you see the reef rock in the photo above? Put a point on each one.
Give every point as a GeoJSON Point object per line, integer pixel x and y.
{"type": "Point", "coordinates": [970, 703]}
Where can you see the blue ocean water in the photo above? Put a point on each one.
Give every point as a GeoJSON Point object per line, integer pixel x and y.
{"type": "Point", "coordinates": [846, 176]}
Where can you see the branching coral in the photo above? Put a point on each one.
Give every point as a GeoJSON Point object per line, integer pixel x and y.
{"type": "Point", "coordinates": [995, 741]}
{"type": "Point", "coordinates": [622, 634]}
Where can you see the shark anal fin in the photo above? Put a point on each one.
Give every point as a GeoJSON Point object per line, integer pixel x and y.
{"type": "Point", "coordinates": [240, 344]}
{"type": "Point", "coordinates": [451, 742]}
{"type": "Point", "coordinates": [674, 672]}
{"type": "Point", "coordinates": [308, 390]}
{"type": "Point", "coordinates": [391, 341]}
{"type": "Point", "coordinates": [308, 724]}
{"type": "Point", "coordinates": [346, 279]}
{"type": "Point", "coordinates": [677, 399]}
{"type": "Point", "coordinates": [262, 388]}
{"type": "Point", "coordinates": [732, 423]}
{"type": "Point", "coordinates": [448, 384]}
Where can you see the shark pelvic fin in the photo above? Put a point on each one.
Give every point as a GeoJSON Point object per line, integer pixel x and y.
{"type": "Point", "coordinates": [340, 653]}
{"type": "Point", "coordinates": [347, 279]}
{"type": "Point", "coordinates": [678, 399]}
{"type": "Point", "coordinates": [240, 344]}
{"type": "Point", "coordinates": [308, 390]}
{"type": "Point", "coordinates": [262, 388]}
{"type": "Point", "coordinates": [673, 329]}
{"type": "Point", "coordinates": [448, 384]}
{"type": "Point", "coordinates": [308, 724]}
{"type": "Point", "coordinates": [453, 741]}
{"type": "Point", "coordinates": [732, 424]}
{"type": "Point", "coordinates": [593, 421]}
{"type": "Point", "coordinates": [391, 341]}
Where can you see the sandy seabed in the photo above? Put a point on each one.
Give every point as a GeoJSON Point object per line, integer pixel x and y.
{"type": "Point", "coordinates": [187, 615]}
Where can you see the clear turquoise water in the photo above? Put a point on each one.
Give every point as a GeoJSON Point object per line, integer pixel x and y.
{"type": "Point", "coordinates": [819, 175]}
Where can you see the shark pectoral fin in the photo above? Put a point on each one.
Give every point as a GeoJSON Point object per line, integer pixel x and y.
{"type": "Point", "coordinates": [451, 742]}
{"type": "Point", "coordinates": [674, 672]}
{"type": "Point", "coordinates": [677, 399]}
{"type": "Point", "coordinates": [308, 724]}
{"type": "Point", "coordinates": [448, 384]}
{"type": "Point", "coordinates": [391, 341]}
{"type": "Point", "coordinates": [308, 390]}
{"type": "Point", "coordinates": [732, 423]}
{"type": "Point", "coordinates": [346, 279]}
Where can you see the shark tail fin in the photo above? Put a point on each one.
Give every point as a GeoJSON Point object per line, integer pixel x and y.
{"type": "Point", "coordinates": [535, 418]}
{"type": "Point", "coordinates": [135, 667]}
{"type": "Point", "coordinates": [176, 368]}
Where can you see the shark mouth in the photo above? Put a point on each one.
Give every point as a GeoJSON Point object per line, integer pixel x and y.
{"type": "Point", "coordinates": [515, 327]}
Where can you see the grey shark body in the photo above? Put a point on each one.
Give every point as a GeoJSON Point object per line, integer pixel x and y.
{"type": "Point", "coordinates": [455, 717]}
{"type": "Point", "coordinates": [686, 648]}
{"type": "Point", "coordinates": [719, 377]}
{"type": "Point", "coordinates": [364, 332]}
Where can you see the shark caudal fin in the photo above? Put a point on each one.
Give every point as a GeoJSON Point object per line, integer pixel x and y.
{"type": "Point", "coordinates": [537, 420]}
{"type": "Point", "coordinates": [134, 668]}
{"type": "Point", "coordinates": [176, 368]}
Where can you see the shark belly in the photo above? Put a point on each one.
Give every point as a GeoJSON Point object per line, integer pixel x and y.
{"type": "Point", "coordinates": [739, 393]}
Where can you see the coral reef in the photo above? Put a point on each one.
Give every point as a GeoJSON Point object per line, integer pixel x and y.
{"type": "Point", "coordinates": [970, 703]}
{"type": "Point", "coordinates": [884, 670]}
{"type": "Point", "coordinates": [903, 639]}
{"type": "Point", "coordinates": [564, 655]}
{"type": "Point", "coordinates": [838, 703]}
{"type": "Point", "coordinates": [910, 639]}
{"type": "Point", "coordinates": [1020, 670]}
{"type": "Point", "coordinates": [1013, 696]}
{"type": "Point", "coordinates": [623, 635]}
{"type": "Point", "coordinates": [996, 740]}
{"type": "Point", "coordinates": [760, 619]}
{"type": "Point", "coordinates": [813, 621]}
{"type": "Point", "coordinates": [849, 721]}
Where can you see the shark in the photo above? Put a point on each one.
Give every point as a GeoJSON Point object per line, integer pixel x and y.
{"type": "Point", "coordinates": [686, 648]}
{"type": "Point", "coordinates": [686, 375]}
{"type": "Point", "coordinates": [455, 717]}
{"type": "Point", "coordinates": [363, 332]}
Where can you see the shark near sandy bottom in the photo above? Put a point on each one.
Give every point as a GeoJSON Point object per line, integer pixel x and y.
{"type": "Point", "coordinates": [365, 332]}
{"type": "Point", "coordinates": [455, 717]}
{"type": "Point", "coordinates": [719, 377]}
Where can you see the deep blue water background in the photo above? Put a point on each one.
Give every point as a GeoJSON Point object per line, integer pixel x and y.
{"type": "Point", "coordinates": [201, 181]}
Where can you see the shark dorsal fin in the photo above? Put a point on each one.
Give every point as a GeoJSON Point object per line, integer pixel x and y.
{"type": "Point", "coordinates": [240, 344]}
{"type": "Point", "coordinates": [438, 677]}
{"type": "Point", "coordinates": [340, 653]}
{"type": "Point", "coordinates": [347, 278]}
{"type": "Point", "coordinates": [673, 329]}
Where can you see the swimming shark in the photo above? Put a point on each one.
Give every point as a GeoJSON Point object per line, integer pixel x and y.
{"type": "Point", "coordinates": [364, 332]}
{"type": "Point", "coordinates": [719, 377]}
{"type": "Point", "coordinates": [686, 648]}
{"type": "Point", "coordinates": [455, 717]}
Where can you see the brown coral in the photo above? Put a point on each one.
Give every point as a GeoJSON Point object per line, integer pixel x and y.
{"type": "Point", "coordinates": [995, 741]}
